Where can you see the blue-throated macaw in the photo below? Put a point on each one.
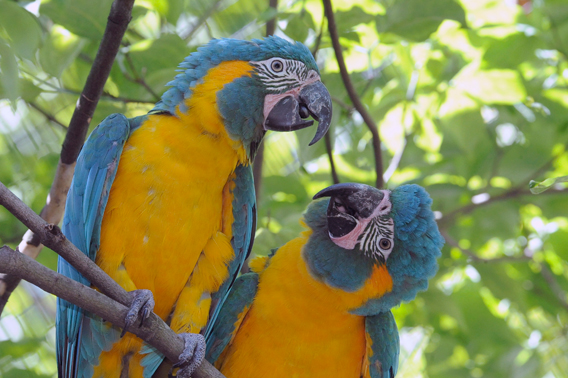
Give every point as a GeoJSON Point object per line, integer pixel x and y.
{"type": "Point", "coordinates": [165, 202]}
{"type": "Point", "coordinates": [320, 305]}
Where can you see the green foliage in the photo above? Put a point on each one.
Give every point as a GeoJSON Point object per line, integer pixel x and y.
{"type": "Point", "coordinates": [471, 95]}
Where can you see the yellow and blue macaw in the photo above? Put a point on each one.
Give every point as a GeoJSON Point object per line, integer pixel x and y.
{"type": "Point", "coordinates": [319, 306]}
{"type": "Point", "coordinates": [165, 204]}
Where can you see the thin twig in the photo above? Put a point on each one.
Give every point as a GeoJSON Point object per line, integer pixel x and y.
{"type": "Point", "coordinates": [512, 193]}
{"type": "Point", "coordinates": [259, 158]}
{"type": "Point", "coordinates": [202, 20]}
{"type": "Point", "coordinates": [137, 77]}
{"type": "Point", "coordinates": [342, 104]}
{"type": "Point", "coordinates": [318, 39]}
{"type": "Point", "coordinates": [353, 94]}
{"type": "Point", "coordinates": [553, 284]}
{"type": "Point", "coordinates": [154, 331]}
{"type": "Point", "coordinates": [329, 150]}
{"type": "Point", "coordinates": [477, 259]}
{"type": "Point", "coordinates": [108, 96]}
{"type": "Point", "coordinates": [118, 19]}
{"type": "Point", "coordinates": [47, 115]}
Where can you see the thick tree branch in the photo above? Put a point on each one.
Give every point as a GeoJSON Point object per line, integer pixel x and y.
{"type": "Point", "coordinates": [353, 94]}
{"type": "Point", "coordinates": [118, 19]}
{"type": "Point", "coordinates": [51, 236]}
{"type": "Point", "coordinates": [154, 331]}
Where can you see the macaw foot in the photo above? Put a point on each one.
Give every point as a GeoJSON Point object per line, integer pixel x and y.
{"type": "Point", "coordinates": [141, 307]}
{"type": "Point", "coordinates": [192, 354]}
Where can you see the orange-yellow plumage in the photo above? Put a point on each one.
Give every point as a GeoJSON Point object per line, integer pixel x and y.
{"type": "Point", "coordinates": [309, 320]}
{"type": "Point", "coordinates": [167, 224]}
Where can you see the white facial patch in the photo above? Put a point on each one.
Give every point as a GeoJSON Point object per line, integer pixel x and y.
{"type": "Point", "coordinates": [375, 234]}
{"type": "Point", "coordinates": [280, 75]}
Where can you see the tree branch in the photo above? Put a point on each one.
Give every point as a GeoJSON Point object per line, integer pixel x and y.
{"type": "Point", "coordinates": [329, 150]}
{"type": "Point", "coordinates": [512, 193]}
{"type": "Point", "coordinates": [138, 79]}
{"type": "Point", "coordinates": [51, 236]}
{"type": "Point", "coordinates": [154, 331]}
{"type": "Point", "coordinates": [118, 19]}
{"type": "Point", "coordinates": [201, 20]}
{"type": "Point", "coordinates": [259, 158]}
{"type": "Point", "coordinates": [476, 259]}
{"type": "Point", "coordinates": [553, 284]}
{"type": "Point", "coordinates": [47, 115]}
{"type": "Point", "coordinates": [353, 94]}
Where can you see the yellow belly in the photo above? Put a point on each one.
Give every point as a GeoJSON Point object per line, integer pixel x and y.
{"type": "Point", "coordinates": [300, 327]}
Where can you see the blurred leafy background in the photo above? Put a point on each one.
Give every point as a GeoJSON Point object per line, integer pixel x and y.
{"type": "Point", "coordinates": [471, 99]}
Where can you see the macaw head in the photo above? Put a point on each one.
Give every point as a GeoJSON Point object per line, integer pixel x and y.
{"type": "Point", "coordinates": [360, 226]}
{"type": "Point", "coordinates": [279, 89]}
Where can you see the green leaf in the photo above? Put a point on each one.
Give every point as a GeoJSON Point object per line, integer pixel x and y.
{"type": "Point", "coordinates": [22, 28]}
{"type": "Point", "coordinates": [299, 25]}
{"type": "Point", "coordinates": [28, 90]}
{"type": "Point", "coordinates": [539, 187]}
{"type": "Point", "coordinates": [9, 84]}
{"type": "Point", "coordinates": [492, 86]}
{"type": "Point", "coordinates": [163, 53]}
{"type": "Point", "coordinates": [417, 19]}
{"type": "Point", "coordinates": [19, 373]}
{"type": "Point", "coordinates": [347, 20]}
{"type": "Point", "coordinates": [85, 18]}
{"type": "Point", "coordinates": [59, 50]}
{"type": "Point", "coordinates": [17, 349]}
{"type": "Point", "coordinates": [510, 51]}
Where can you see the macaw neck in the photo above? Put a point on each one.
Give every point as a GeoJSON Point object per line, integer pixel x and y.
{"type": "Point", "coordinates": [202, 108]}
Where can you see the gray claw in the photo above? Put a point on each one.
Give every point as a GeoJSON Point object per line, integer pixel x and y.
{"type": "Point", "coordinates": [192, 354]}
{"type": "Point", "coordinates": [141, 308]}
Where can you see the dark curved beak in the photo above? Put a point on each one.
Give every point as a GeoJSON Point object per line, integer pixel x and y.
{"type": "Point", "coordinates": [358, 200]}
{"type": "Point", "coordinates": [289, 113]}
{"type": "Point", "coordinates": [349, 203]}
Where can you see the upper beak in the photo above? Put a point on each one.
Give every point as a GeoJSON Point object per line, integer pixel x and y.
{"type": "Point", "coordinates": [289, 113]}
{"type": "Point", "coordinates": [359, 200]}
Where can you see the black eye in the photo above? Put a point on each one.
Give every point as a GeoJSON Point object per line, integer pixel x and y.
{"type": "Point", "coordinates": [385, 243]}
{"type": "Point", "coordinates": [277, 66]}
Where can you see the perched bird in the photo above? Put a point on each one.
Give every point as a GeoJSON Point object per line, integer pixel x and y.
{"type": "Point", "coordinates": [320, 305]}
{"type": "Point", "coordinates": [164, 203]}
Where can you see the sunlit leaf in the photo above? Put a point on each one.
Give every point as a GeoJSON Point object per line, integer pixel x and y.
{"type": "Point", "coordinates": [492, 86]}
{"type": "Point", "coordinates": [417, 19]}
{"type": "Point", "coordinates": [539, 187]}
{"type": "Point", "coordinates": [22, 28]}
{"type": "Point", "coordinates": [82, 17]}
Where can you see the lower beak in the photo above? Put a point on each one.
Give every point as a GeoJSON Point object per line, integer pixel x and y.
{"type": "Point", "coordinates": [289, 113]}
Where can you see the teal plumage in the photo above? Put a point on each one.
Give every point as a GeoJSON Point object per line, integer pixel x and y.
{"type": "Point", "coordinates": [382, 329]}
{"type": "Point", "coordinates": [86, 200]}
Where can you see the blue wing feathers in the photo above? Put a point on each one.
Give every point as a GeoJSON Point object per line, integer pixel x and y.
{"type": "Point", "coordinates": [87, 197]}
{"type": "Point", "coordinates": [242, 295]}
{"type": "Point", "coordinates": [383, 333]}
{"type": "Point", "coordinates": [244, 226]}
